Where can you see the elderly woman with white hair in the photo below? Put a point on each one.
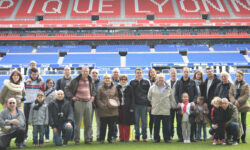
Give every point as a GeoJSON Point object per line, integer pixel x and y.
{"type": "Point", "coordinates": [107, 107]}
{"type": "Point", "coordinates": [222, 89]}
{"type": "Point", "coordinates": [162, 100]}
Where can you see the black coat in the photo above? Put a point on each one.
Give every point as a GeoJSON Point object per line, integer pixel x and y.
{"type": "Point", "coordinates": [125, 116]}
{"type": "Point", "coordinates": [192, 90]}
{"type": "Point", "coordinates": [220, 88]}
{"type": "Point", "coordinates": [211, 91]}
{"type": "Point", "coordinates": [141, 89]}
{"type": "Point", "coordinates": [68, 116]}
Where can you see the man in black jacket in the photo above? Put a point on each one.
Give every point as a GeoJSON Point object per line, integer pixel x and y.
{"type": "Point", "coordinates": [210, 86]}
{"type": "Point", "coordinates": [60, 118]}
{"type": "Point", "coordinates": [185, 85]}
{"type": "Point", "coordinates": [141, 87]}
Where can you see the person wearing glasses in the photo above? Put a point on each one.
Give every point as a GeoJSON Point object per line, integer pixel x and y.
{"type": "Point", "coordinates": [108, 115]}
{"type": "Point", "coordinates": [12, 122]}
{"type": "Point", "coordinates": [126, 109]}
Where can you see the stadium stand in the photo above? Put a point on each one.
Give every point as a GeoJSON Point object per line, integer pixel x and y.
{"type": "Point", "coordinates": [148, 59]}
{"type": "Point", "coordinates": [24, 59]}
{"type": "Point", "coordinates": [117, 48]}
{"type": "Point", "coordinates": [96, 59]}
{"type": "Point", "coordinates": [216, 57]}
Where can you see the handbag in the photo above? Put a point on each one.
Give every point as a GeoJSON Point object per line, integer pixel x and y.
{"type": "Point", "coordinates": [112, 103]}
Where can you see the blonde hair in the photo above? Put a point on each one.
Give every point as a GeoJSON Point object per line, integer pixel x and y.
{"type": "Point", "coordinates": [216, 101]}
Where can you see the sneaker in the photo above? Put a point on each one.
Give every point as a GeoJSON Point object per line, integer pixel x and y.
{"type": "Point", "coordinates": [47, 140]}
{"type": "Point", "coordinates": [222, 142]}
{"type": "Point", "coordinates": [20, 146]}
{"type": "Point", "coordinates": [136, 140]}
{"type": "Point", "coordinates": [215, 142]}
{"type": "Point", "coordinates": [35, 145]}
{"type": "Point", "coordinates": [150, 137]}
{"type": "Point", "coordinates": [244, 141]}
{"type": "Point", "coordinates": [235, 143]}
{"type": "Point", "coordinates": [65, 143]}
{"type": "Point", "coordinates": [144, 140]}
{"type": "Point", "coordinates": [184, 141]}
{"type": "Point", "coordinates": [188, 141]}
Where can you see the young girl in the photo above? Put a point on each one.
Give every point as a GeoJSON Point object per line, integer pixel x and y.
{"type": "Point", "coordinates": [186, 111]}
{"type": "Point", "coordinates": [201, 118]}
{"type": "Point", "coordinates": [39, 118]}
{"type": "Point", "coordinates": [218, 121]}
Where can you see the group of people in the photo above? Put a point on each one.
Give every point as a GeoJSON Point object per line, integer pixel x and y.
{"type": "Point", "coordinates": [62, 106]}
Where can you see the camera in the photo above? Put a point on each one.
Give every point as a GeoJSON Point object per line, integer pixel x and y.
{"type": "Point", "coordinates": [60, 115]}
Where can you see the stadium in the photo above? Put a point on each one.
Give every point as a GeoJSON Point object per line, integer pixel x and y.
{"type": "Point", "coordinates": [124, 34]}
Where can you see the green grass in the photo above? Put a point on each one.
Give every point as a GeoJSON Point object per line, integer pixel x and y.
{"type": "Point", "coordinates": [140, 145]}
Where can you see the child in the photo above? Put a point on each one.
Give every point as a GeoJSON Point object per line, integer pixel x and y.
{"type": "Point", "coordinates": [185, 111]}
{"type": "Point", "coordinates": [218, 121]}
{"type": "Point", "coordinates": [39, 118]}
{"type": "Point", "coordinates": [201, 118]}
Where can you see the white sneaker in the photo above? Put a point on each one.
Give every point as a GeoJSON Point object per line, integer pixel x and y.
{"type": "Point", "coordinates": [185, 141]}
{"type": "Point", "coordinates": [47, 140]}
{"type": "Point", "coordinates": [150, 137]}
{"type": "Point", "coordinates": [188, 141]}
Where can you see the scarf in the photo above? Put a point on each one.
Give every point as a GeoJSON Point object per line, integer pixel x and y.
{"type": "Point", "coordinates": [14, 87]}
{"type": "Point", "coordinates": [123, 87]}
{"type": "Point", "coordinates": [185, 106]}
{"type": "Point", "coordinates": [237, 89]}
{"type": "Point", "coordinates": [38, 104]}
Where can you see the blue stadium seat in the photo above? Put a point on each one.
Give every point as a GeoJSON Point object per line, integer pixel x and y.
{"type": "Point", "coordinates": [25, 59]}
{"type": "Point", "coordinates": [117, 48]}
{"type": "Point", "coordinates": [77, 48]}
{"type": "Point", "coordinates": [98, 59]}
{"type": "Point", "coordinates": [16, 49]}
{"type": "Point", "coordinates": [47, 49]}
{"type": "Point", "coordinates": [148, 59]}
{"type": "Point", "coordinates": [166, 48]}
{"type": "Point", "coordinates": [216, 57]}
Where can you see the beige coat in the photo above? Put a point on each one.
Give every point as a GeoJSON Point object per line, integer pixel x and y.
{"type": "Point", "coordinates": [103, 95]}
{"type": "Point", "coordinates": [11, 90]}
{"type": "Point", "coordinates": [161, 102]}
{"type": "Point", "coordinates": [243, 98]}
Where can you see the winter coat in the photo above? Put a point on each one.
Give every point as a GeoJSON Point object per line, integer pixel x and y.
{"type": "Point", "coordinates": [232, 115]}
{"type": "Point", "coordinates": [50, 97]}
{"type": "Point", "coordinates": [11, 90]}
{"type": "Point", "coordinates": [103, 95]}
{"type": "Point", "coordinates": [192, 90]}
{"type": "Point", "coordinates": [126, 117]}
{"type": "Point", "coordinates": [68, 115]}
{"type": "Point", "coordinates": [219, 89]}
{"type": "Point", "coordinates": [208, 97]}
{"type": "Point", "coordinates": [243, 98]}
{"type": "Point", "coordinates": [40, 116]}
{"type": "Point", "coordinates": [219, 116]}
{"type": "Point", "coordinates": [141, 91]}
{"type": "Point", "coordinates": [205, 118]}
{"type": "Point", "coordinates": [71, 88]}
{"type": "Point", "coordinates": [173, 89]}
{"type": "Point", "coordinates": [5, 118]}
{"type": "Point", "coordinates": [61, 83]}
{"type": "Point", "coordinates": [190, 110]}
{"type": "Point", "coordinates": [161, 102]}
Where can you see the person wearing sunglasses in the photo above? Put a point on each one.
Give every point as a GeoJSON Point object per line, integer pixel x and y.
{"type": "Point", "coordinates": [12, 122]}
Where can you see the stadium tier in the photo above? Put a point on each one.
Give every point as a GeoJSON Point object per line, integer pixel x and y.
{"type": "Point", "coordinates": [216, 58]}
{"type": "Point", "coordinates": [24, 59]}
{"type": "Point", "coordinates": [128, 48]}
{"type": "Point", "coordinates": [16, 49]}
{"type": "Point", "coordinates": [176, 47]}
{"type": "Point", "coordinates": [231, 47]}
{"type": "Point", "coordinates": [96, 59]}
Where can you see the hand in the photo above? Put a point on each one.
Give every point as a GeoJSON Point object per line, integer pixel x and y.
{"type": "Point", "coordinates": [237, 104]}
{"type": "Point", "coordinates": [7, 127]}
{"type": "Point", "coordinates": [214, 126]}
{"type": "Point", "coordinates": [68, 125]}
{"type": "Point", "coordinates": [74, 98]}
{"type": "Point", "coordinates": [179, 105]}
{"type": "Point", "coordinates": [92, 98]}
{"type": "Point", "coordinates": [131, 110]}
{"type": "Point", "coordinates": [28, 80]}
{"type": "Point", "coordinates": [55, 131]}
{"type": "Point", "coordinates": [148, 109]}
{"type": "Point", "coordinates": [14, 121]}
{"type": "Point", "coordinates": [192, 104]}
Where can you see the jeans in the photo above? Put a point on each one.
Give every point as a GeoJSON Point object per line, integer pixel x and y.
{"type": "Point", "coordinates": [58, 136]}
{"type": "Point", "coordinates": [165, 127]}
{"type": "Point", "coordinates": [19, 134]}
{"type": "Point", "coordinates": [232, 130]}
{"type": "Point", "coordinates": [198, 131]}
{"type": "Point", "coordinates": [38, 129]}
{"type": "Point", "coordinates": [27, 107]}
{"type": "Point", "coordinates": [141, 113]}
{"type": "Point", "coordinates": [46, 128]}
